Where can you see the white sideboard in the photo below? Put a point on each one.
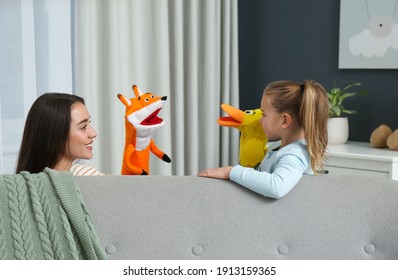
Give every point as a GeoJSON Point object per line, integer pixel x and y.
{"type": "Point", "coordinates": [360, 158]}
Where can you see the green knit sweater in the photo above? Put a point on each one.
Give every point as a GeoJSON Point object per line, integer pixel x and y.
{"type": "Point", "coordinates": [43, 216]}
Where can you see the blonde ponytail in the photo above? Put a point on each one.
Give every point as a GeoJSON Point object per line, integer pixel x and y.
{"type": "Point", "coordinates": [314, 114]}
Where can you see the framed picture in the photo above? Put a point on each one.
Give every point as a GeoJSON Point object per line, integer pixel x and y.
{"type": "Point", "coordinates": [368, 34]}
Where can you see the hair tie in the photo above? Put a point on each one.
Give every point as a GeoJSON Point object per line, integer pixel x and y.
{"type": "Point", "coordinates": [302, 86]}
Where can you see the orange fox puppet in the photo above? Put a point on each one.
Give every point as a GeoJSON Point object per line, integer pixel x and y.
{"type": "Point", "coordinates": [141, 120]}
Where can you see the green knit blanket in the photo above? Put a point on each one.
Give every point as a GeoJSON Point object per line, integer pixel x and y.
{"type": "Point", "coordinates": [43, 216]}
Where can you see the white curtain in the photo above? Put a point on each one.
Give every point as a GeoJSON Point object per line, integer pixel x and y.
{"type": "Point", "coordinates": [35, 57]}
{"type": "Point", "coordinates": [184, 49]}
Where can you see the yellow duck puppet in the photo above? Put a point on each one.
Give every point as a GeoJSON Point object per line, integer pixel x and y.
{"type": "Point", "coordinates": [252, 143]}
{"type": "Point", "coordinates": [141, 120]}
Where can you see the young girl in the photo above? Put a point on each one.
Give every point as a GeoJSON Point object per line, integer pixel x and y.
{"type": "Point", "coordinates": [296, 114]}
{"type": "Point", "coordinates": [57, 132]}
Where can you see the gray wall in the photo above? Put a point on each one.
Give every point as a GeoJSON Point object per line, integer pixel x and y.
{"type": "Point", "coordinates": [298, 40]}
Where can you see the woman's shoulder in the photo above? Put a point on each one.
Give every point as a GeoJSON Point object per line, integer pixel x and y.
{"type": "Point", "coordinates": [84, 170]}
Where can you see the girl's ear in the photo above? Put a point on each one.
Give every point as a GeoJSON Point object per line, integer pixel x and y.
{"type": "Point", "coordinates": [286, 120]}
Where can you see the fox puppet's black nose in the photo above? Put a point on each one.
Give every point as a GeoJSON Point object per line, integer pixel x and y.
{"type": "Point", "coordinates": [164, 98]}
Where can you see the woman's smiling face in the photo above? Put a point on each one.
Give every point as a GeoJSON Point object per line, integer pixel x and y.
{"type": "Point", "coordinates": [81, 134]}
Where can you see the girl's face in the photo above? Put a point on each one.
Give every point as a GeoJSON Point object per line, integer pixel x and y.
{"type": "Point", "coordinates": [271, 121]}
{"type": "Point", "coordinates": [81, 134]}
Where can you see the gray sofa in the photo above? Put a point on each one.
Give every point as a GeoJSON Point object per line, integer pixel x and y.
{"type": "Point", "coordinates": [187, 217]}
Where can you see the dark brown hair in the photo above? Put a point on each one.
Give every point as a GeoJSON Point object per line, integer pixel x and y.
{"type": "Point", "coordinates": [46, 132]}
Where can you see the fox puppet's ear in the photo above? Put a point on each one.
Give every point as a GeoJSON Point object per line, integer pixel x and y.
{"type": "Point", "coordinates": [137, 91]}
{"type": "Point", "coordinates": [124, 100]}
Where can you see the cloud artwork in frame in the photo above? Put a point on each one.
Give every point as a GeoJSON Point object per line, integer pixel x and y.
{"type": "Point", "coordinates": [368, 34]}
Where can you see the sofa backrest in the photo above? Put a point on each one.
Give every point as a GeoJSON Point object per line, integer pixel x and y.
{"type": "Point", "coordinates": [188, 217]}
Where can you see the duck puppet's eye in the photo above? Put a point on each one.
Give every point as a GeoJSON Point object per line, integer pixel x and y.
{"type": "Point", "coordinates": [250, 112]}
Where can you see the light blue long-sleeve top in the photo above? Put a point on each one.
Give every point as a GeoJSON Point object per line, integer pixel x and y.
{"type": "Point", "coordinates": [280, 170]}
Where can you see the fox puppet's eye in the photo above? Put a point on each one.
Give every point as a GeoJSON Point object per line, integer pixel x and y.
{"type": "Point", "coordinates": [147, 99]}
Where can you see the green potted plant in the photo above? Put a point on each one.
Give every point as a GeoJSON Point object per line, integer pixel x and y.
{"type": "Point", "coordinates": [338, 123]}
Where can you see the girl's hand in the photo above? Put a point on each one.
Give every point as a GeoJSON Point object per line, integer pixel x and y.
{"type": "Point", "coordinates": [217, 173]}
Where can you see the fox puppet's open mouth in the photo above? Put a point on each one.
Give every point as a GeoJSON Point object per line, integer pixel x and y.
{"type": "Point", "coordinates": [153, 118]}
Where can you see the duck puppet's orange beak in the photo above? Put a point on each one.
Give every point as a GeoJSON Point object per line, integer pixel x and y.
{"type": "Point", "coordinates": [234, 118]}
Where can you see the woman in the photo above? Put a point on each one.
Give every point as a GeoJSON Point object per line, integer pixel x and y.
{"type": "Point", "coordinates": [57, 132]}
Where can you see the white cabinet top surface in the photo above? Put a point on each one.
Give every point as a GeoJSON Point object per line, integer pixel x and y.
{"type": "Point", "coordinates": [361, 150]}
